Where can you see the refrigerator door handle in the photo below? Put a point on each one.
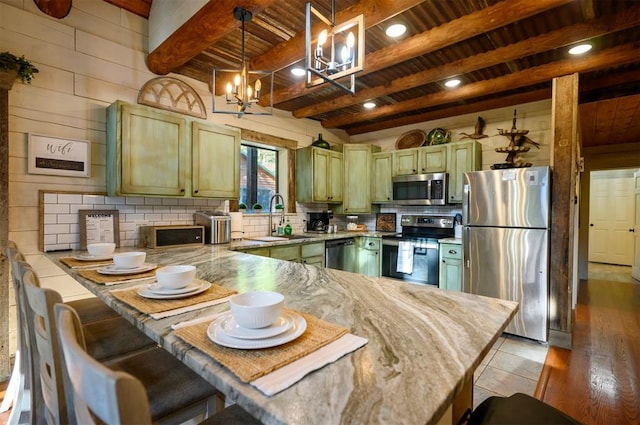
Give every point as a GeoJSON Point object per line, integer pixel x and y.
{"type": "Point", "coordinates": [465, 204]}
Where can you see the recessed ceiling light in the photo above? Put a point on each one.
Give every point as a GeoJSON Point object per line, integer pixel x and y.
{"type": "Point", "coordinates": [298, 72]}
{"type": "Point", "coordinates": [396, 30]}
{"type": "Point", "coordinates": [454, 82]}
{"type": "Point", "coordinates": [369, 105]}
{"type": "Point", "coordinates": [580, 49]}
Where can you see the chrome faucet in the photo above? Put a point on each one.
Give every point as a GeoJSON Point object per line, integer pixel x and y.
{"type": "Point", "coordinates": [277, 197]}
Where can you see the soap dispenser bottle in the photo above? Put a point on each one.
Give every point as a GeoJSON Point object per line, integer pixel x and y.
{"type": "Point", "coordinates": [288, 230]}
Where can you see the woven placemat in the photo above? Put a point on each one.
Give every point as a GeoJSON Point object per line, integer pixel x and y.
{"type": "Point", "coordinates": [149, 306]}
{"type": "Point", "coordinates": [106, 279]}
{"type": "Point", "coordinates": [249, 365]}
{"type": "Point", "coordinates": [74, 264]}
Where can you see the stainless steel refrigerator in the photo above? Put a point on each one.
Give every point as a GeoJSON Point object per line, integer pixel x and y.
{"type": "Point", "coordinates": [506, 242]}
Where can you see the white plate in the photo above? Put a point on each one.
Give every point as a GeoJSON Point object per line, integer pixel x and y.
{"type": "Point", "coordinates": [88, 257]}
{"type": "Point", "coordinates": [113, 270]}
{"type": "Point", "coordinates": [230, 327]}
{"type": "Point", "coordinates": [218, 336]}
{"type": "Point", "coordinates": [157, 289]}
{"type": "Point", "coordinates": [144, 292]}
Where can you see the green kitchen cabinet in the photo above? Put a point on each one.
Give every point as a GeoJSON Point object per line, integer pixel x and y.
{"type": "Point", "coordinates": [381, 185]}
{"type": "Point", "coordinates": [307, 253]}
{"type": "Point", "coordinates": [319, 175]}
{"type": "Point", "coordinates": [215, 161]}
{"type": "Point", "coordinates": [450, 276]}
{"type": "Point", "coordinates": [312, 254]}
{"type": "Point", "coordinates": [429, 159]}
{"type": "Point", "coordinates": [147, 151]}
{"type": "Point", "coordinates": [159, 153]}
{"type": "Point", "coordinates": [356, 198]}
{"type": "Point", "coordinates": [405, 162]}
{"type": "Point", "coordinates": [432, 159]}
{"type": "Point", "coordinates": [369, 256]}
{"type": "Point", "coordinates": [461, 157]}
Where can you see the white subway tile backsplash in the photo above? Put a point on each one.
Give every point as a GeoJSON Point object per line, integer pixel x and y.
{"type": "Point", "coordinates": [169, 217]}
{"type": "Point", "coordinates": [134, 217]}
{"type": "Point", "coordinates": [186, 202]}
{"type": "Point", "coordinates": [65, 198]}
{"type": "Point", "coordinates": [134, 201]}
{"type": "Point", "coordinates": [50, 219]}
{"type": "Point", "coordinates": [73, 209]}
{"type": "Point", "coordinates": [169, 201]}
{"type": "Point", "coordinates": [56, 209]}
{"type": "Point", "coordinates": [93, 199]}
{"type": "Point", "coordinates": [54, 229]}
{"type": "Point", "coordinates": [68, 238]}
{"type": "Point", "coordinates": [153, 217]}
{"type": "Point", "coordinates": [153, 201]}
{"type": "Point", "coordinates": [50, 198]}
{"type": "Point", "coordinates": [142, 209]}
{"type": "Point", "coordinates": [68, 218]}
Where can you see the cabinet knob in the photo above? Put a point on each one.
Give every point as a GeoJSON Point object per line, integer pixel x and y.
{"type": "Point", "coordinates": [444, 261]}
{"type": "Point", "coordinates": [414, 170]}
{"type": "Point", "coordinates": [453, 251]}
{"type": "Point", "coordinates": [181, 190]}
{"type": "Point", "coordinates": [196, 191]}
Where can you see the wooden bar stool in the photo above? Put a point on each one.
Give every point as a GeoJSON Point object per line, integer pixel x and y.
{"type": "Point", "coordinates": [176, 393]}
{"type": "Point", "coordinates": [115, 397]}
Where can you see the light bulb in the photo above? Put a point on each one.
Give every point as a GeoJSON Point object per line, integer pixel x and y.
{"type": "Point", "coordinates": [228, 93]}
{"type": "Point", "coordinates": [249, 92]}
{"type": "Point", "coordinates": [345, 54]}
{"type": "Point", "coordinates": [322, 38]}
{"type": "Point", "coordinates": [351, 40]}
{"type": "Point", "coordinates": [258, 88]}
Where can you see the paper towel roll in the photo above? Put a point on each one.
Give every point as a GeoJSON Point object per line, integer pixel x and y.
{"type": "Point", "coordinates": [237, 231]}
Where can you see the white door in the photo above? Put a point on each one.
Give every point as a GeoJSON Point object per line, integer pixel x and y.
{"type": "Point", "coordinates": [635, 270]}
{"type": "Point", "coordinates": [611, 216]}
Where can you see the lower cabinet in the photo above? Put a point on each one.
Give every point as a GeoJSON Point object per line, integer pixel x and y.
{"type": "Point", "coordinates": [311, 253]}
{"type": "Point", "coordinates": [369, 256]}
{"type": "Point", "coordinates": [450, 267]}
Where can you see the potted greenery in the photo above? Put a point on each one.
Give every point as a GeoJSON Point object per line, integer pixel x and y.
{"type": "Point", "coordinates": [279, 207]}
{"type": "Point", "coordinates": [257, 207]}
{"type": "Point", "coordinates": [12, 67]}
{"type": "Point", "coordinates": [242, 207]}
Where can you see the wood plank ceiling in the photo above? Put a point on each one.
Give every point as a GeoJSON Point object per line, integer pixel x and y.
{"type": "Point", "coordinates": [505, 52]}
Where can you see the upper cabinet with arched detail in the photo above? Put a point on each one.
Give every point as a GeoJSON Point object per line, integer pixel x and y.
{"type": "Point", "coordinates": [157, 153]}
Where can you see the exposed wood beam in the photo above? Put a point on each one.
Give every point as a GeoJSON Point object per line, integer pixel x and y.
{"type": "Point", "coordinates": [627, 53]}
{"type": "Point", "coordinates": [533, 45]}
{"type": "Point", "coordinates": [292, 50]}
{"type": "Point", "coordinates": [470, 108]}
{"type": "Point", "coordinates": [212, 22]}
{"type": "Point", "coordinates": [460, 29]}
{"type": "Point", "coordinates": [138, 7]}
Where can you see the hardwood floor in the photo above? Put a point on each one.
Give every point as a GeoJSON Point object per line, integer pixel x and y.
{"type": "Point", "coordinates": [598, 381]}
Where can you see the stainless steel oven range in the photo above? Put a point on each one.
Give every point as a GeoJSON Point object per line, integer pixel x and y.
{"type": "Point", "coordinates": [413, 255]}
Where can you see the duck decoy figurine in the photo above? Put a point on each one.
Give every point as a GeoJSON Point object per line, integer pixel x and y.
{"type": "Point", "coordinates": [477, 131]}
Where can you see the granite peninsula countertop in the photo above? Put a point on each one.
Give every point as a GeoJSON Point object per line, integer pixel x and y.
{"type": "Point", "coordinates": [424, 343]}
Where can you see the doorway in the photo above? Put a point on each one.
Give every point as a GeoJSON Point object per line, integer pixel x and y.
{"type": "Point", "coordinates": [611, 221]}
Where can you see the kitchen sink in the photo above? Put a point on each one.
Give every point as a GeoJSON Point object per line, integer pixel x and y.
{"type": "Point", "coordinates": [278, 238]}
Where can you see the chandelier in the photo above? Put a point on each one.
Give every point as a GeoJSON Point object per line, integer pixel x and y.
{"type": "Point", "coordinates": [242, 87]}
{"type": "Point", "coordinates": [341, 57]}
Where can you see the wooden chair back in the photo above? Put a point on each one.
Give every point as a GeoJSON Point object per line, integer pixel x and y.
{"type": "Point", "coordinates": [115, 398]}
{"type": "Point", "coordinates": [46, 357]}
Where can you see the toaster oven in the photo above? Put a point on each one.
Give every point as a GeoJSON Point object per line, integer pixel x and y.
{"type": "Point", "coordinates": [171, 236]}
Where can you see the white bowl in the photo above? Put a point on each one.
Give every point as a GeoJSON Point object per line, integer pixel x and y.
{"type": "Point", "coordinates": [255, 310]}
{"type": "Point", "coordinates": [101, 249]}
{"type": "Point", "coordinates": [175, 277]}
{"type": "Point", "coordinates": [129, 260]}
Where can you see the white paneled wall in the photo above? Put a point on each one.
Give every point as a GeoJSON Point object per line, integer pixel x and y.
{"type": "Point", "coordinates": [87, 60]}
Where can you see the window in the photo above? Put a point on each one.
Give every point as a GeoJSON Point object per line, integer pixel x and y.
{"type": "Point", "coordinates": [258, 175]}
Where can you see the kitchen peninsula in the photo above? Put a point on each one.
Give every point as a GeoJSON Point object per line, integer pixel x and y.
{"type": "Point", "coordinates": [423, 343]}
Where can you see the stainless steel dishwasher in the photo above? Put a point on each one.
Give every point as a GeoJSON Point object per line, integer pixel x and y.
{"type": "Point", "coordinates": [340, 254]}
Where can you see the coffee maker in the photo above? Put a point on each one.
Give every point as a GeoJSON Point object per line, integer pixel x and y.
{"type": "Point", "coordinates": [319, 221]}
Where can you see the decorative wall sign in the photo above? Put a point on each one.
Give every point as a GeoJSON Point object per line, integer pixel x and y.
{"type": "Point", "coordinates": [59, 157]}
{"type": "Point", "coordinates": [99, 226]}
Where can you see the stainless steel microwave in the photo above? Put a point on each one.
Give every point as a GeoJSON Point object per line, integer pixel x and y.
{"type": "Point", "coordinates": [420, 189]}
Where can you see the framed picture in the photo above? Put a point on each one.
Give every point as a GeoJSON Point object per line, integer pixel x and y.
{"type": "Point", "coordinates": [59, 157]}
{"type": "Point", "coordinates": [99, 226]}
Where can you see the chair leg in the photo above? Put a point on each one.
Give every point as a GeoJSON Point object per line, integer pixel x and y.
{"type": "Point", "coordinates": [13, 388]}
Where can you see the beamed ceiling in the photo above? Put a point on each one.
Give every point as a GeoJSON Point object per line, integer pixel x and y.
{"type": "Point", "coordinates": [505, 52]}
